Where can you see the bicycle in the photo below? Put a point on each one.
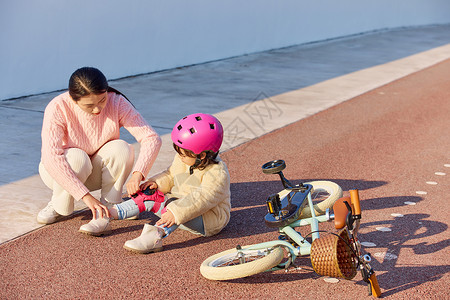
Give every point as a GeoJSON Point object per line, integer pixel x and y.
{"type": "Point", "coordinates": [335, 255]}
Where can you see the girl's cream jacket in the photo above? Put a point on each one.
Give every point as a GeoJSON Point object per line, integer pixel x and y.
{"type": "Point", "coordinates": [205, 193]}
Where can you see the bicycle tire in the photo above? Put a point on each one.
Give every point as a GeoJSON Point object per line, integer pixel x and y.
{"type": "Point", "coordinates": [216, 267]}
{"type": "Point", "coordinates": [334, 192]}
{"type": "Point", "coordinates": [376, 291]}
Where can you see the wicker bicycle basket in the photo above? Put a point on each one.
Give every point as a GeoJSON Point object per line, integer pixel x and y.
{"type": "Point", "coordinates": [331, 256]}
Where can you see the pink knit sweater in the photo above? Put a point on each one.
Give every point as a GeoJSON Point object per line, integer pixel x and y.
{"type": "Point", "coordinates": [66, 125]}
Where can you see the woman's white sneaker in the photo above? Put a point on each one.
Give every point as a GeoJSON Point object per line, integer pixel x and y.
{"type": "Point", "coordinates": [48, 215]}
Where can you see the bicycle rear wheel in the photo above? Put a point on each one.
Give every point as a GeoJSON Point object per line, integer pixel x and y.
{"type": "Point", "coordinates": [324, 194]}
{"type": "Point", "coordinates": [231, 264]}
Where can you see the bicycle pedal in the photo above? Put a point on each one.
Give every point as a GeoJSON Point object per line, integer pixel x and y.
{"type": "Point", "coordinates": [292, 268]}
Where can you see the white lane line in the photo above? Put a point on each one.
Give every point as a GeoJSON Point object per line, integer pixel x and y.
{"type": "Point", "coordinates": [385, 255]}
{"type": "Point", "coordinates": [421, 192]}
{"type": "Point", "coordinates": [396, 215]}
{"type": "Point", "coordinates": [431, 182]}
{"type": "Point", "coordinates": [331, 280]}
{"type": "Point", "coordinates": [410, 203]}
{"type": "Point", "coordinates": [440, 173]}
{"type": "Point", "coordinates": [368, 244]}
{"type": "Point", "coordinates": [447, 165]}
{"type": "Point", "coordinates": [384, 229]}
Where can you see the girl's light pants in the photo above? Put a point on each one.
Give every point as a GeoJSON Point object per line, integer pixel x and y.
{"type": "Point", "coordinates": [129, 209]}
{"type": "Point", "coordinates": [107, 170]}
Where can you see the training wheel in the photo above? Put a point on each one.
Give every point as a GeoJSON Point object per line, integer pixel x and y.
{"type": "Point", "coordinates": [274, 166]}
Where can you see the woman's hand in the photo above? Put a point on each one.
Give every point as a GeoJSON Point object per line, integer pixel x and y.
{"type": "Point", "coordinates": [95, 205]}
{"type": "Point", "coordinates": [167, 219]}
{"type": "Point", "coordinates": [133, 183]}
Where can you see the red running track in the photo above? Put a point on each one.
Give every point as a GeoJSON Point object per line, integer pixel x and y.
{"type": "Point", "coordinates": [388, 143]}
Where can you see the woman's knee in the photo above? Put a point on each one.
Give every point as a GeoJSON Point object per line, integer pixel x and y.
{"type": "Point", "coordinates": [79, 161]}
{"type": "Point", "coordinates": [119, 150]}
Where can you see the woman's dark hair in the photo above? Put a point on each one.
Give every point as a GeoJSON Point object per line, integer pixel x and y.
{"type": "Point", "coordinates": [88, 80]}
{"type": "Point", "coordinates": [210, 157]}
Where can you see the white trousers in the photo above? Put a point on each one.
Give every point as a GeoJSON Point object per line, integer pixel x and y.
{"type": "Point", "coordinates": [107, 169]}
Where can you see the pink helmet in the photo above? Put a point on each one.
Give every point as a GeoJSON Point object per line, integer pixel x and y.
{"type": "Point", "coordinates": [198, 133]}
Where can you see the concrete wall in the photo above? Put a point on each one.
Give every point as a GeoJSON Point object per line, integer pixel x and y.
{"type": "Point", "coordinates": [44, 41]}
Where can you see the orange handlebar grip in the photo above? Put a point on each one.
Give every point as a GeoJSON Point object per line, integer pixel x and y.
{"type": "Point", "coordinates": [376, 291]}
{"type": "Point", "coordinates": [354, 196]}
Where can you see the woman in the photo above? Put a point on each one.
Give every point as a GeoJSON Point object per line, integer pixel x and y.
{"type": "Point", "coordinates": [81, 149]}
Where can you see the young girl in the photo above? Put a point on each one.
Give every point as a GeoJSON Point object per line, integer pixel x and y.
{"type": "Point", "coordinates": [82, 150]}
{"type": "Point", "coordinates": [196, 189]}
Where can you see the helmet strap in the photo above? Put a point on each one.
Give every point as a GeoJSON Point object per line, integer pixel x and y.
{"type": "Point", "coordinates": [198, 161]}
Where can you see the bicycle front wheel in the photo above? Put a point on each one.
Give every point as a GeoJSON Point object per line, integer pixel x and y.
{"type": "Point", "coordinates": [323, 194]}
{"type": "Point", "coordinates": [232, 264]}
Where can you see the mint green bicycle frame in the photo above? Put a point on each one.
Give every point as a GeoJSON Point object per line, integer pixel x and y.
{"type": "Point", "coordinates": [304, 247]}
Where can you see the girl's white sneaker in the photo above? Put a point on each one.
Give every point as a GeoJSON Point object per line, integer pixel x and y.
{"type": "Point", "coordinates": [96, 227]}
{"type": "Point", "coordinates": [150, 240]}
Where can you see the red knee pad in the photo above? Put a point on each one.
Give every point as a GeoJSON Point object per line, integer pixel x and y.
{"type": "Point", "coordinates": [148, 195]}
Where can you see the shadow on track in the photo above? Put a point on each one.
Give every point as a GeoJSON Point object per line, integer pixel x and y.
{"type": "Point", "coordinates": [405, 230]}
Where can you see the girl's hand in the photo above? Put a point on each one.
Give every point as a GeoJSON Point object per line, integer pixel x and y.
{"type": "Point", "coordinates": [95, 206]}
{"type": "Point", "coordinates": [150, 184]}
{"type": "Point", "coordinates": [133, 183]}
{"type": "Point", "coordinates": [167, 219]}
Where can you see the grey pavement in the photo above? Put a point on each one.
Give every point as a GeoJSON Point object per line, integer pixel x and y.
{"type": "Point", "coordinates": [252, 95]}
